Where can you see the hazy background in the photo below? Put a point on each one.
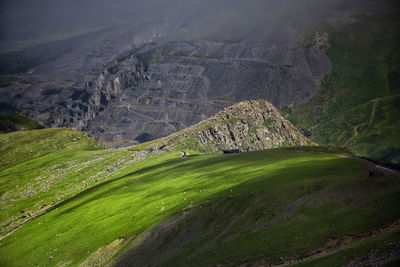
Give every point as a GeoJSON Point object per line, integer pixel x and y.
{"type": "Point", "coordinates": [25, 22]}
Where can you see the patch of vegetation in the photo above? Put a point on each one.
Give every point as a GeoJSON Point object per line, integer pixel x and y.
{"type": "Point", "coordinates": [268, 123]}
{"type": "Point", "coordinates": [253, 130]}
{"type": "Point", "coordinates": [12, 123]}
{"type": "Point", "coordinates": [358, 104]}
{"type": "Point", "coordinates": [286, 144]}
{"type": "Point", "coordinates": [188, 143]}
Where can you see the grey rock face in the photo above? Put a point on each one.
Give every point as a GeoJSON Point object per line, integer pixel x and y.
{"type": "Point", "coordinates": [161, 90]}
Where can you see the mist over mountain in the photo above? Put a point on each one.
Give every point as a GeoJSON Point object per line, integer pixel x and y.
{"type": "Point", "coordinates": [44, 20]}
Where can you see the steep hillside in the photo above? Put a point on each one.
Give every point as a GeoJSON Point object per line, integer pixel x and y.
{"type": "Point", "coordinates": [248, 126]}
{"type": "Point", "coordinates": [359, 104]}
{"type": "Point", "coordinates": [262, 207]}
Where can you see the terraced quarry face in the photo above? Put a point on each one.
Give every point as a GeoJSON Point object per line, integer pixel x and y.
{"type": "Point", "coordinates": [183, 83]}
{"type": "Point", "coordinates": [157, 89]}
{"type": "Point", "coordinates": [251, 207]}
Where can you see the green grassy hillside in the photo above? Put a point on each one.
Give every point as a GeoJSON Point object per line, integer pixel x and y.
{"type": "Point", "coordinates": [359, 103]}
{"type": "Point", "coordinates": [257, 207]}
{"type": "Point", "coordinates": [42, 167]}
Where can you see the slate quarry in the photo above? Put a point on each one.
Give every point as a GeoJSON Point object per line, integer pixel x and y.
{"type": "Point", "coordinates": [134, 84]}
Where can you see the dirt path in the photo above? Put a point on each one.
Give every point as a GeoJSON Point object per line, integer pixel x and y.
{"type": "Point", "coordinates": [371, 119]}
{"type": "Point", "coordinates": [373, 112]}
{"type": "Point", "coordinates": [338, 244]}
{"type": "Point", "coordinates": [127, 104]}
{"type": "Point", "coordinates": [355, 130]}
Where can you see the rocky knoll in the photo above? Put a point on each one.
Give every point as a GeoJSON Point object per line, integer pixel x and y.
{"type": "Point", "coordinates": [249, 125]}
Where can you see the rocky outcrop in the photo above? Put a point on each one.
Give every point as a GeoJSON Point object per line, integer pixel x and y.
{"type": "Point", "coordinates": [248, 126]}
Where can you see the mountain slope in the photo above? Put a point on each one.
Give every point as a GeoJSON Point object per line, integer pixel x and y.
{"type": "Point", "coordinates": [358, 105]}
{"type": "Point", "coordinates": [260, 205]}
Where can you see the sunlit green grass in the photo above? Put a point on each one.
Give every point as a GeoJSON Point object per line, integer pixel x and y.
{"type": "Point", "coordinates": [149, 191]}
{"type": "Point", "coordinates": [42, 167]}
{"type": "Point", "coordinates": [102, 195]}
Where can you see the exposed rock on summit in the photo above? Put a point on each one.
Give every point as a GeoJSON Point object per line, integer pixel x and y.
{"type": "Point", "coordinates": [249, 125]}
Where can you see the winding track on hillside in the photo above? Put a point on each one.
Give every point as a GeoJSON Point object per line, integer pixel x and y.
{"type": "Point", "coordinates": [127, 104]}
{"type": "Point", "coordinates": [373, 111]}
{"type": "Point", "coordinates": [355, 129]}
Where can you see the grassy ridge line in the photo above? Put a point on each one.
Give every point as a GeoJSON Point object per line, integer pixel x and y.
{"type": "Point", "coordinates": [147, 192]}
